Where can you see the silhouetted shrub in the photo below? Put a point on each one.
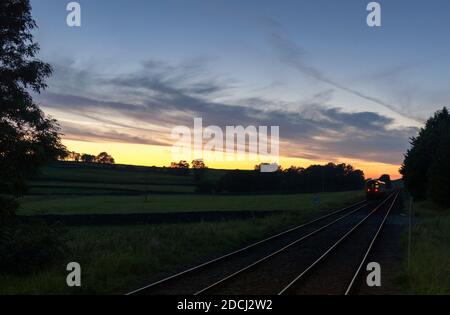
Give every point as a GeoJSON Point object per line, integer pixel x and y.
{"type": "Point", "coordinates": [29, 247]}
{"type": "Point", "coordinates": [8, 207]}
{"type": "Point", "coordinates": [26, 247]}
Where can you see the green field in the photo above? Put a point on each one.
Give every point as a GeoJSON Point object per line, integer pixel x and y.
{"type": "Point", "coordinates": [70, 178]}
{"type": "Point", "coordinates": [87, 188]}
{"type": "Point", "coordinates": [429, 269]}
{"type": "Point", "coordinates": [111, 174]}
{"type": "Point", "coordinates": [75, 188]}
{"type": "Point", "coordinates": [179, 203]}
{"type": "Point", "coordinates": [116, 259]}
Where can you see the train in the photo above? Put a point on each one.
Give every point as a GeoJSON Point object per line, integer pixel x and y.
{"type": "Point", "coordinates": [377, 188]}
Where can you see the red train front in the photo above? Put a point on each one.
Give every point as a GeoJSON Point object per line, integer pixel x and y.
{"type": "Point", "coordinates": [375, 189]}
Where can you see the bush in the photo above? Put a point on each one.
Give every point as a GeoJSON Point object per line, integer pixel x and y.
{"type": "Point", "coordinates": [26, 247]}
{"type": "Point", "coordinates": [7, 210]}
{"type": "Point", "coordinates": [29, 247]}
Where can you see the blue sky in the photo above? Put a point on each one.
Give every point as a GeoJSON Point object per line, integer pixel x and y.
{"type": "Point", "coordinates": [304, 59]}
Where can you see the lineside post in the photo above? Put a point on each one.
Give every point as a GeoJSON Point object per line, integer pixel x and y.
{"type": "Point", "coordinates": [410, 231]}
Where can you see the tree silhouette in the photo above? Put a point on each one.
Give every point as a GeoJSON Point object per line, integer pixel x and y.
{"type": "Point", "coordinates": [104, 158]}
{"type": "Point", "coordinates": [422, 158]}
{"type": "Point", "coordinates": [387, 180]}
{"type": "Point", "coordinates": [315, 178]}
{"type": "Point", "coordinates": [180, 165]}
{"type": "Point", "coordinates": [179, 168]}
{"type": "Point", "coordinates": [28, 138]}
{"type": "Point", "coordinates": [88, 158]}
{"type": "Point", "coordinates": [73, 156]}
{"type": "Point", "coordinates": [439, 172]}
{"type": "Point", "coordinates": [199, 168]}
{"type": "Point", "coordinates": [198, 164]}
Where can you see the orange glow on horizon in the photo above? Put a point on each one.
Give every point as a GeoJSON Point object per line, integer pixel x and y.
{"type": "Point", "coordinates": [152, 155]}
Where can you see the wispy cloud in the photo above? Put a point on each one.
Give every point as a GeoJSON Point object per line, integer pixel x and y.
{"type": "Point", "coordinates": [165, 100]}
{"type": "Point", "coordinates": [294, 55]}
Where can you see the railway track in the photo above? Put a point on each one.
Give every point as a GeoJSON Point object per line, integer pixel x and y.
{"type": "Point", "coordinates": [340, 265]}
{"type": "Point", "coordinates": [268, 266]}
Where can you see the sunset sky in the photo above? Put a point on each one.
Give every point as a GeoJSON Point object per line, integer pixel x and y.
{"type": "Point", "coordinates": [339, 90]}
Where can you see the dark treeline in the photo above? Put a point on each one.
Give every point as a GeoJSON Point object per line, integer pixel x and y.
{"type": "Point", "coordinates": [426, 168]}
{"type": "Point", "coordinates": [315, 178]}
{"type": "Point", "coordinates": [183, 168]}
{"type": "Point", "coordinates": [101, 158]}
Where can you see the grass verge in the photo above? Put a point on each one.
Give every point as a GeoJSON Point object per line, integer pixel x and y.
{"type": "Point", "coordinates": [429, 268]}
{"type": "Point", "coordinates": [115, 259]}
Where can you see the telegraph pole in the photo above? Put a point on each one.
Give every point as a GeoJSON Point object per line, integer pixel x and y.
{"type": "Point", "coordinates": [410, 231]}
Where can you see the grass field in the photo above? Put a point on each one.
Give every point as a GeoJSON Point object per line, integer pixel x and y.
{"type": "Point", "coordinates": [70, 178]}
{"type": "Point", "coordinates": [179, 203]}
{"type": "Point", "coordinates": [115, 259]}
{"type": "Point", "coordinates": [429, 270]}
{"type": "Point", "coordinates": [112, 174]}
{"type": "Point", "coordinates": [67, 188]}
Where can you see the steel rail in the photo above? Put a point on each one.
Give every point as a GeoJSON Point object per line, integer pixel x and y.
{"type": "Point", "coordinates": [179, 274]}
{"type": "Point", "coordinates": [271, 255]}
{"type": "Point", "coordinates": [352, 282]}
{"type": "Point", "coordinates": [331, 248]}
